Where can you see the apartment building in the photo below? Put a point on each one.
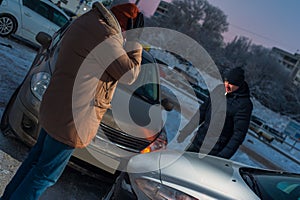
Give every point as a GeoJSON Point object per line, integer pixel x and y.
{"type": "Point", "coordinates": [290, 61]}
{"type": "Point", "coordinates": [162, 9]}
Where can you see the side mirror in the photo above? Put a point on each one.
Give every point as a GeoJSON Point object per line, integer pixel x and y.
{"type": "Point", "coordinates": [44, 39]}
{"type": "Point", "coordinates": [168, 105]}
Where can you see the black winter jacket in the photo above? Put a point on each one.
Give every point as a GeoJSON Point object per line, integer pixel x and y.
{"type": "Point", "coordinates": [238, 112]}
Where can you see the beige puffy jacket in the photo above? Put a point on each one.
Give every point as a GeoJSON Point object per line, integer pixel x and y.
{"type": "Point", "coordinates": [91, 61]}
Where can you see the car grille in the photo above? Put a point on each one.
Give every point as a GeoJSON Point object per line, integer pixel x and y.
{"type": "Point", "coordinates": [122, 139]}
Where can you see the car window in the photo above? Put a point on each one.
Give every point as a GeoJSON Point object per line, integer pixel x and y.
{"type": "Point", "coordinates": [148, 75]}
{"type": "Point", "coordinates": [43, 10]}
{"type": "Point", "coordinates": [259, 123]}
{"type": "Point", "coordinates": [70, 13]}
{"type": "Point", "coordinates": [58, 18]}
{"type": "Point", "coordinates": [30, 4]}
{"type": "Point", "coordinates": [278, 186]}
{"type": "Point", "coordinates": [58, 35]}
{"type": "Point", "coordinates": [256, 120]}
{"type": "Point", "coordinates": [289, 187]}
{"type": "Point", "coordinates": [147, 80]}
{"type": "Point", "coordinates": [39, 7]}
{"type": "Point", "coordinates": [47, 11]}
{"type": "Point", "coordinates": [272, 185]}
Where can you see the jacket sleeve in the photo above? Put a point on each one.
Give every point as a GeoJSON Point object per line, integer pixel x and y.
{"type": "Point", "coordinates": [241, 124]}
{"type": "Point", "coordinates": [134, 58]}
{"type": "Point", "coordinates": [126, 67]}
{"type": "Point", "coordinates": [123, 63]}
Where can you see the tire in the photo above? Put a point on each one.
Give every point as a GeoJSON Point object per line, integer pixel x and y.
{"type": "Point", "coordinates": [4, 124]}
{"type": "Point", "coordinates": [8, 25]}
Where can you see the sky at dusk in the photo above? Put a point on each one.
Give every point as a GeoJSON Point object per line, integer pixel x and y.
{"type": "Point", "coordinates": [266, 22]}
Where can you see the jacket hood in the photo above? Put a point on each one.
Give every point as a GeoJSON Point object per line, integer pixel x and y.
{"type": "Point", "coordinates": [124, 12]}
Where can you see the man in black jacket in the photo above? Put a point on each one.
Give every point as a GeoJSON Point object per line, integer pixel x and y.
{"type": "Point", "coordinates": [238, 109]}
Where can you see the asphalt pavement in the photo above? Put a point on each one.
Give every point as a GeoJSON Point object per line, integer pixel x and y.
{"type": "Point", "coordinates": [72, 185]}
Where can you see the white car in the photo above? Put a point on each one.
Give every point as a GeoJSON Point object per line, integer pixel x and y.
{"type": "Point", "coordinates": [26, 18]}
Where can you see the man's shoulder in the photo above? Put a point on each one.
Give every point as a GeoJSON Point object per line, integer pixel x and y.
{"type": "Point", "coordinates": [246, 103]}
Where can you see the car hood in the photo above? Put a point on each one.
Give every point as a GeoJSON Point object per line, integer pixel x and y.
{"type": "Point", "coordinates": [193, 174]}
{"type": "Point", "coordinates": [133, 115]}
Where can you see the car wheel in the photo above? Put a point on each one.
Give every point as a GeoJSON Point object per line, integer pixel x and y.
{"type": "Point", "coordinates": [4, 124]}
{"type": "Point", "coordinates": [8, 25]}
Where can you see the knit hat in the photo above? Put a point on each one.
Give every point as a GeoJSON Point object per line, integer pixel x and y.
{"type": "Point", "coordinates": [235, 76]}
{"type": "Point", "coordinates": [125, 12]}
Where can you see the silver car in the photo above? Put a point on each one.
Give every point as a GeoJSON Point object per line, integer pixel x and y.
{"type": "Point", "coordinates": [191, 176]}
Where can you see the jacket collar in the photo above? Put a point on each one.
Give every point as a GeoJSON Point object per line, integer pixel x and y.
{"type": "Point", "coordinates": [243, 91]}
{"type": "Point", "coordinates": [108, 16]}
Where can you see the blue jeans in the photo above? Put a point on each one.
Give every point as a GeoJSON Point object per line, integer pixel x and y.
{"type": "Point", "coordinates": [41, 169]}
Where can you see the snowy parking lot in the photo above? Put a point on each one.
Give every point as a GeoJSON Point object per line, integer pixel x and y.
{"type": "Point", "coordinates": [15, 61]}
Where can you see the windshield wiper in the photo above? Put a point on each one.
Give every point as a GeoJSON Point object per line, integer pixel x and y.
{"type": "Point", "coordinates": [253, 184]}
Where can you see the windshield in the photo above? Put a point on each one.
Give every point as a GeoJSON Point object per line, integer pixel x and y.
{"type": "Point", "coordinates": [147, 84]}
{"type": "Point", "coordinates": [272, 185]}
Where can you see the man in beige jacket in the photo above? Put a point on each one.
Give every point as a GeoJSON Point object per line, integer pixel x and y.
{"type": "Point", "coordinates": [79, 51]}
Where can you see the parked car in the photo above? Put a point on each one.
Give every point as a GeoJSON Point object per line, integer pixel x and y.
{"type": "Point", "coordinates": [26, 18]}
{"type": "Point", "coordinates": [264, 131]}
{"type": "Point", "coordinates": [256, 123]}
{"type": "Point", "coordinates": [172, 175]}
{"type": "Point", "coordinates": [112, 146]}
{"type": "Point", "coordinates": [292, 130]}
{"type": "Point", "coordinates": [279, 136]}
{"type": "Point", "coordinates": [257, 126]}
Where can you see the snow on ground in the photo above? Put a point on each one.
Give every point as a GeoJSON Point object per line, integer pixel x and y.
{"type": "Point", "coordinates": [271, 118]}
{"type": "Point", "coordinates": [272, 155]}
{"type": "Point", "coordinates": [14, 64]}
{"type": "Point", "coordinates": [16, 61]}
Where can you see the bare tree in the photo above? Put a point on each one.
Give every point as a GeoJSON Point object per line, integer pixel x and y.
{"type": "Point", "coordinates": [187, 16]}
{"type": "Point", "coordinates": [197, 19]}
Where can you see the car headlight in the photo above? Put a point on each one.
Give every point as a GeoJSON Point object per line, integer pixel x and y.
{"type": "Point", "coordinates": [39, 83]}
{"type": "Point", "coordinates": [158, 191]}
{"type": "Point", "coordinates": [158, 144]}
